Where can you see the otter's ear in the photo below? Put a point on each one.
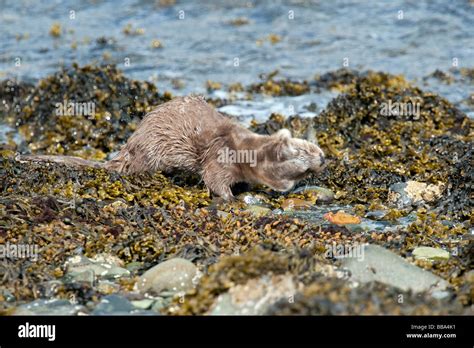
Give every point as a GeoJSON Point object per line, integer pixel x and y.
{"type": "Point", "coordinates": [283, 134]}
{"type": "Point", "coordinates": [284, 149]}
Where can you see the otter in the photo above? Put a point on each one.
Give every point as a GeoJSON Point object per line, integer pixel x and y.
{"type": "Point", "coordinates": [188, 134]}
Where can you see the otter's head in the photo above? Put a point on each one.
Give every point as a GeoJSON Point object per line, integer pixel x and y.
{"type": "Point", "coordinates": [287, 160]}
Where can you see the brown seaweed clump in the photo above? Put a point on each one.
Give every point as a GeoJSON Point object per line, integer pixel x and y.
{"type": "Point", "coordinates": [334, 297]}
{"type": "Point", "coordinates": [341, 79]}
{"type": "Point", "coordinates": [280, 87]}
{"type": "Point", "coordinates": [12, 94]}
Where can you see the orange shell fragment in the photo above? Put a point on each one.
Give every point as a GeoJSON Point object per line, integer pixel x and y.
{"type": "Point", "coordinates": [341, 218]}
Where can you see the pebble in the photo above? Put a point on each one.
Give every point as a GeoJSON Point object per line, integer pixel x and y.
{"type": "Point", "coordinates": [143, 304]}
{"type": "Point", "coordinates": [134, 266]}
{"type": "Point", "coordinates": [80, 268]}
{"type": "Point", "coordinates": [159, 304]}
{"type": "Point", "coordinates": [295, 204]}
{"type": "Point", "coordinates": [113, 305]}
{"type": "Point", "coordinates": [376, 214]}
{"type": "Point", "coordinates": [324, 195]}
{"type": "Point", "coordinates": [258, 210]}
{"type": "Point", "coordinates": [428, 253]}
{"type": "Point", "coordinates": [252, 199]}
{"type": "Point", "coordinates": [174, 275]}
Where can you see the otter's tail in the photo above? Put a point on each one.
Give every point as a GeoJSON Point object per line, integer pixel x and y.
{"type": "Point", "coordinates": [120, 163]}
{"type": "Point", "coordinates": [69, 160]}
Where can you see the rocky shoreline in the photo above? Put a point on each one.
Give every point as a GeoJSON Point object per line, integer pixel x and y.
{"type": "Point", "coordinates": [397, 193]}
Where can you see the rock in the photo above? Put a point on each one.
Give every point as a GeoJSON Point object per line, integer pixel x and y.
{"type": "Point", "coordinates": [159, 304]}
{"type": "Point", "coordinates": [376, 214]}
{"type": "Point", "coordinates": [7, 295]}
{"type": "Point", "coordinates": [258, 210]}
{"type": "Point", "coordinates": [107, 287]}
{"type": "Point", "coordinates": [50, 287]}
{"type": "Point", "coordinates": [382, 265]}
{"type": "Point", "coordinates": [113, 305]}
{"type": "Point", "coordinates": [441, 294]}
{"type": "Point", "coordinates": [174, 275]}
{"type": "Point", "coordinates": [252, 199]}
{"type": "Point", "coordinates": [87, 276]}
{"type": "Point", "coordinates": [314, 215]}
{"type": "Point", "coordinates": [108, 259]}
{"type": "Point", "coordinates": [143, 304]}
{"type": "Point", "coordinates": [408, 193]}
{"type": "Point", "coordinates": [428, 253]}
{"type": "Point", "coordinates": [115, 272]}
{"type": "Point", "coordinates": [82, 269]}
{"type": "Point", "coordinates": [295, 204]}
{"type": "Point", "coordinates": [367, 225]}
{"type": "Point", "coordinates": [49, 307]}
{"type": "Point", "coordinates": [134, 266]}
{"type": "Point", "coordinates": [470, 277]}
{"type": "Point", "coordinates": [255, 296]}
{"type": "Point", "coordinates": [324, 195]}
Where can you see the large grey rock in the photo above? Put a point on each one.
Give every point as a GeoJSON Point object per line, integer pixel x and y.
{"type": "Point", "coordinates": [174, 275]}
{"type": "Point", "coordinates": [255, 296]}
{"type": "Point", "coordinates": [382, 265]}
{"type": "Point", "coordinates": [408, 193]}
